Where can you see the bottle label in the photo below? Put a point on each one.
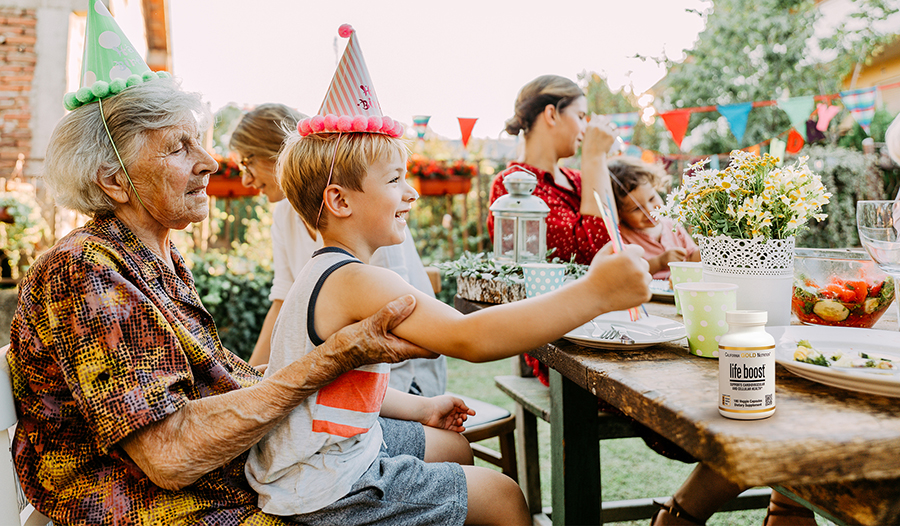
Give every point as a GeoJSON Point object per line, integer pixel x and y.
{"type": "Point", "coordinates": [746, 379]}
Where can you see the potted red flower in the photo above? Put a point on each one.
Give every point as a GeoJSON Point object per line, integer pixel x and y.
{"type": "Point", "coordinates": [432, 177]}
{"type": "Point", "coordinates": [226, 180]}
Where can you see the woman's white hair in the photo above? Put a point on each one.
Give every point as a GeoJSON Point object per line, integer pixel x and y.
{"type": "Point", "coordinates": [80, 153]}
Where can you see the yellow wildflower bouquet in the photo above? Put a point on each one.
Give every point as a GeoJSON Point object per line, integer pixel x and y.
{"type": "Point", "coordinates": [751, 198]}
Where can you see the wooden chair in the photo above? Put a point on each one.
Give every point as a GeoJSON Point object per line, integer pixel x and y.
{"type": "Point", "coordinates": [489, 421]}
{"type": "Point", "coordinates": [9, 491]}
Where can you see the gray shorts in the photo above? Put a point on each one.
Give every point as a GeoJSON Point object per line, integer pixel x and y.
{"type": "Point", "coordinates": [399, 487]}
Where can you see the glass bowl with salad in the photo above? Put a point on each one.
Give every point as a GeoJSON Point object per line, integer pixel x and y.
{"type": "Point", "coordinates": [839, 287]}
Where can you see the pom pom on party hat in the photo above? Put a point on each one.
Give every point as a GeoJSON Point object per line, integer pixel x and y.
{"type": "Point", "coordinates": [110, 62]}
{"type": "Point", "coordinates": [350, 104]}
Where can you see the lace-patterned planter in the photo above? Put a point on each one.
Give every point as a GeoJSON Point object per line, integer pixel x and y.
{"type": "Point", "coordinates": [763, 270]}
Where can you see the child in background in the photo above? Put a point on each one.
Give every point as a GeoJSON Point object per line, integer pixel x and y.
{"type": "Point", "coordinates": [635, 185]}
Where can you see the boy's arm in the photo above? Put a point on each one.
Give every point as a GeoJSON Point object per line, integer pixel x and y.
{"type": "Point", "coordinates": [442, 412]}
{"type": "Point", "coordinates": [613, 282]}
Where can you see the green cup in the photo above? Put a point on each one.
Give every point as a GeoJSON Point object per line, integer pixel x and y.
{"type": "Point", "coordinates": [703, 305]}
{"type": "Point", "coordinates": [685, 272]}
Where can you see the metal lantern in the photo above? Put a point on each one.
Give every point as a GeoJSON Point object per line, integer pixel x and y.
{"type": "Point", "coordinates": [520, 229]}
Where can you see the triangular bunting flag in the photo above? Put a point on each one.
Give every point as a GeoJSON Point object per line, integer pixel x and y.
{"type": "Point", "coordinates": [861, 103]}
{"type": "Point", "coordinates": [736, 115]}
{"type": "Point", "coordinates": [350, 103]}
{"type": "Point", "coordinates": [110, 62]}
{"type": "Point", "coordinates": [798, 110]}
{"type": "Point", "coordinates": [825, 113]}
{"type": "Point", "coordinates": [755, 149]}
{"type": "Point", "coordinates": [465, 127]}
{"type": "Point", "coordinates": [420, 124]}
{"type": "Point", "coordinates": [677, 123]}
{"type": "Point", "coordinates": [776, 149]}
{"type": "Point", "coordinates": [624, 124]}
{"type": "Point", "coordinates": [794, 142]}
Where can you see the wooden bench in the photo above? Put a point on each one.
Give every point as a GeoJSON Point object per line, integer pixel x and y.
{"type": "Point", "coordinates": [533, 401]}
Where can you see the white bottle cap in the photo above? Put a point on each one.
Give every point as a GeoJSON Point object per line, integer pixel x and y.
{"type": "Point", "coordinates": [746, 317]}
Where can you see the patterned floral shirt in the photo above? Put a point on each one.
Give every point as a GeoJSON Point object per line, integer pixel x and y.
{"type": "Point", "coordinates": [568, 231]}
{"type": "Point", "coordinates": [106, 339]}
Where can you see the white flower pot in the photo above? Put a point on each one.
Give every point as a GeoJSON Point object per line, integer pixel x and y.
{"type": "Point", "coordinates": [763, 270]}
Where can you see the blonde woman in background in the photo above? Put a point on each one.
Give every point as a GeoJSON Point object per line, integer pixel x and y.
{"type": "Point", "coordinates": [256, 141]}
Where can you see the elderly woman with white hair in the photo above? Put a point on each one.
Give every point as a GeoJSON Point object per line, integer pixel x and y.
{"type": "Point", "coordinates": [130, 409]}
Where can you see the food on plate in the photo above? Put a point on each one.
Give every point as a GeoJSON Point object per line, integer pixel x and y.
{"type": "Point", "coordinates": [807, 354]}
{"type": "Point", "coordinates": [844, 302]}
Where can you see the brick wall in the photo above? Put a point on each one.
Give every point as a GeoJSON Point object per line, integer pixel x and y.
{"type": "Point", "coordinates": [17, 60]}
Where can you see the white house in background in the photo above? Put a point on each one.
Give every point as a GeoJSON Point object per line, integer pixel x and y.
{"type": "Point", "coordinates": [41, 43]}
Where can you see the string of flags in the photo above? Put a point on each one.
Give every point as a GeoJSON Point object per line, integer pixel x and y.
{"type": "Point", "coordinates": [466, 124]}
{"type": "Point", "coordinates": [860, 103]}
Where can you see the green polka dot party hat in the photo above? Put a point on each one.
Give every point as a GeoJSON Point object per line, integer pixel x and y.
{"type": "Point", "coordinates": [110, 62]}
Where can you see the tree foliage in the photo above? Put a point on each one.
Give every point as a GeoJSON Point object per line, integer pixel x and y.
{"type": "Point", "coordinates": [764, 50]}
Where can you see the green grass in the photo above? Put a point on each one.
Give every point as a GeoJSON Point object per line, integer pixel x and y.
{"type": "Point", "coordinates": [630, 469]}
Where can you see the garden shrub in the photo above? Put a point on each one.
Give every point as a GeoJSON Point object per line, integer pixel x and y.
{"type": "Point", "coordinates": [235, 291]}
{"type": "Point", "coordinates": [850, 176]}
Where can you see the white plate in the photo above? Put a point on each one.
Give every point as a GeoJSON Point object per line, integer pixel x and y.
{"type": "Point", "coordinates": [661, 291]}
{"type": "Point", "coordinates": [826, 339]}
{"type": "Point", "coordinates": [645, 332]}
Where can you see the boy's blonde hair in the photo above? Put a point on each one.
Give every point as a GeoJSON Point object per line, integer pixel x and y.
{"type": "Point", "coordinates": [629, 173]}
{"type": "Point", "coordinates": [305, 162]}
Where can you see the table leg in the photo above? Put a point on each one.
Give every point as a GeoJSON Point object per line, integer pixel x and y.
{"type": "Point", "coordinates": [575, 453]}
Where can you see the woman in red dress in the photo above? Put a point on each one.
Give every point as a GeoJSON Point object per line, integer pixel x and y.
{"type": "Point", "coordinates": [551, 112]}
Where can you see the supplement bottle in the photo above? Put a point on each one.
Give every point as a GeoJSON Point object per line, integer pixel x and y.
{"type": "Point", "coordinates": [746, 367]}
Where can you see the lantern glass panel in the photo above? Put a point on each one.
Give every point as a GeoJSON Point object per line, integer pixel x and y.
{"type": "Point", "coordinates": [530, 239]}
{"type": "Point", "coordinates": [507, 237]}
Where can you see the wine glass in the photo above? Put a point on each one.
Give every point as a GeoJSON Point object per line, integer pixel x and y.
{"type": "Point", "coordinates": [878, 223]}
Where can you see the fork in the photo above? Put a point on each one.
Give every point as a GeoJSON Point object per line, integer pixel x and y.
{"type": "Point", "coordinates": [613, 334]}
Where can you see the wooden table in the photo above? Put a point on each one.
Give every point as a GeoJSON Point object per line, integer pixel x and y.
{"type": "Point", "coordinates": [837, 449]}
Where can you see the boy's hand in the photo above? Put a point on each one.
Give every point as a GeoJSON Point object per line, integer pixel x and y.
{"type": "Point", "coordinates": [622, 280]}
{"type": "Point", "coordinates": [447, 412]}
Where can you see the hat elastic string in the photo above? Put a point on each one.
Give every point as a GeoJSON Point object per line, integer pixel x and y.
{"type": "Point", "coordinates": [330, 172]}
{"type": "Point", "coordinates": [119, 157]}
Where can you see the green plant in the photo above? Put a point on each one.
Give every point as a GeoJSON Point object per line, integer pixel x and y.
{"type": "Point", "coordinates": [752, 197]}
{"type": "Point", "coordinates": [851, 176]}
{"type": "Point", "coordinates": [234, 290]}
{"type": "Point", "coordinates": [21, 233]}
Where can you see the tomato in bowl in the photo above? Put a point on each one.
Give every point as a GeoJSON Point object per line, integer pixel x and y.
{"type": "Point", "coordinates": [839, 287]}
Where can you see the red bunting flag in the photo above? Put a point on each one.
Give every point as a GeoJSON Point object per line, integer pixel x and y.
{"type": "Point", "coordinates": [795, 142]}
{"type": "Point", "coordinates": [677, 123]}
{"type": "Point", "coordinates": [465, 126]}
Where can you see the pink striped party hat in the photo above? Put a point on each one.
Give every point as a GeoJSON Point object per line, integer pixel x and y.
{"type": "Point", "coordinates": [350, 104]}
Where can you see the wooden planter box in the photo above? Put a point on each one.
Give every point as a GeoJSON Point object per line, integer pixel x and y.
{"type": "Point", "coordinates": [488, 291]}
{"type": "Point", "coordinates": [452, 185]}
{"type": "Point", "coordinates": [228, 187]}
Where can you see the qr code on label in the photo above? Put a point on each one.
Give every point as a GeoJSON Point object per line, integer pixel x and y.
{"type": "Point", "coordinates": [768, 399]}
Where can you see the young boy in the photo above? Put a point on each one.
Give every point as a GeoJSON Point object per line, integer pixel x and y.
{"type": "Point", "coordinates": [334, 461]}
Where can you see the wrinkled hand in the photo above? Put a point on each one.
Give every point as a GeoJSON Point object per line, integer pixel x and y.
{"type": "Point", "coordinates": [448, 412]}
{"type": "Point", "coordinates": [598, 137]}
{"type": "Point", "coordinates": [370, 340]}
{"type": "Point", "coordinates": [622, 279]}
